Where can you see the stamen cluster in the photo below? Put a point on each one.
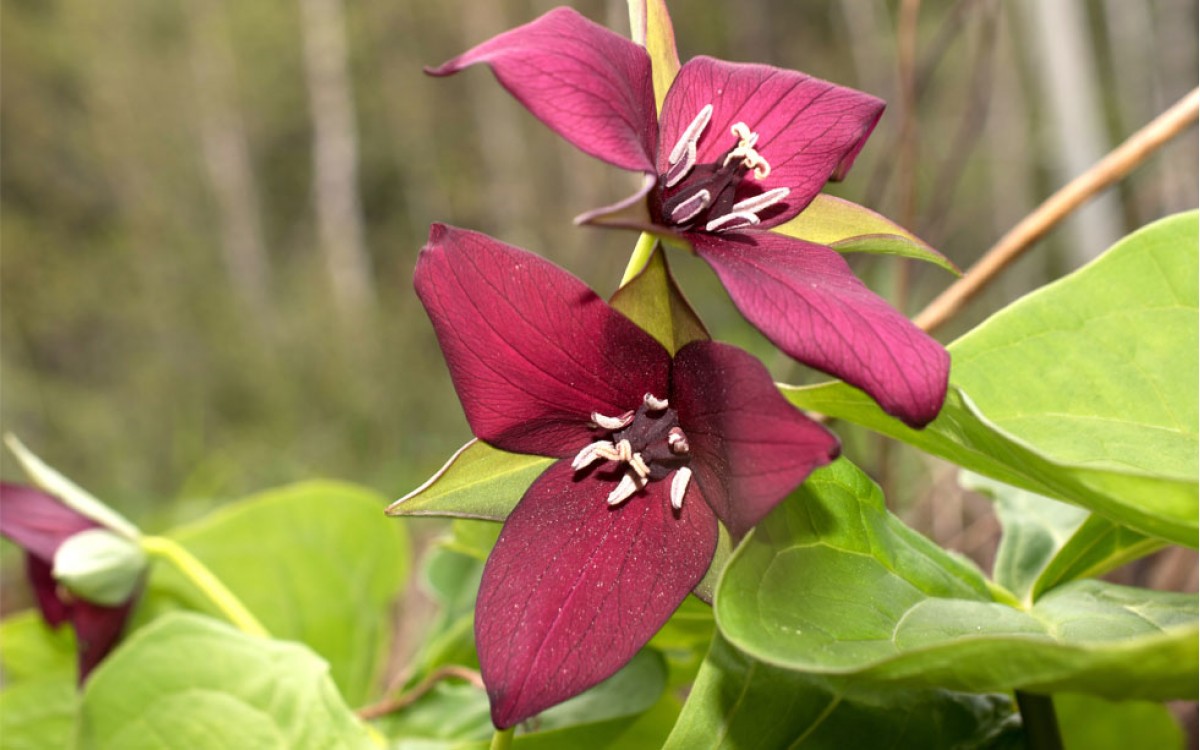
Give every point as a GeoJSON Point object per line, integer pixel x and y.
{"type": "Point", "coordinates": [647, 444]}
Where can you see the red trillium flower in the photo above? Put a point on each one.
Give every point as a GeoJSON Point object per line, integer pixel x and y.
{"type": "Point", "coordinates": [653, 450]}
{"type": "Point", "coordinates": [740, 148]}
{"type": "Point", "coordinates": [41, 525]}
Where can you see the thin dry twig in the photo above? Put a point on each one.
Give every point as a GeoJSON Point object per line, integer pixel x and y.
{"type": "Point", "coordinates": [1118, 163]}
{"type": "Point", "coordinates": [390, 705]}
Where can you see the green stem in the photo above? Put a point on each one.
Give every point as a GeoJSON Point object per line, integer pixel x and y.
{"type": "Point", "coordinates": [641, 256]}
{"type": "Point", "coordinates": [1041, 724]}
{"type": "Point", "coordinates": [502, 739]}
{"type": "Point", "coordinates": [174, 553]}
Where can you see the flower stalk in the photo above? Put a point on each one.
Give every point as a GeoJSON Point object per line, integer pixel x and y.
{"type": "Point", "coordinates": [185, 562]}
{"type": "Point", "coordinates": [640, 257]}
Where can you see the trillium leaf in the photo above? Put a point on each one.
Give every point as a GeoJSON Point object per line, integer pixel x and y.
{"type": "Point", "coordinates": [653, 300]}
{"type": "Point", "coordinates": [738, 702]}
{"type": "Point", "coordinates": [882, 603]}
{"type": "Point", "coordinates": [313, 562]}
{"type": "Point", "coordinates": [850, 228]}
{"type": "Point", "coordinates": [651, 27]}
{"type": "Point", "coordinates": [1097, 724]}
{"type": "Point", "coordinates": [478, 481]}
{"type": "Point", "coordinates": [40, 712]}
{"type": "Point", "coordinates": [1046, 543]}
{"type": "Point", "coordinates": [32, 648]}
{"type": "Point", "coordinates": [1084, 391]}
{"type": "Point", "coordinates": [186, 680]}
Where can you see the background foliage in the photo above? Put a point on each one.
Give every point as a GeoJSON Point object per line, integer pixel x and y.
{"type": "Point", "coordinates": [171, 335]}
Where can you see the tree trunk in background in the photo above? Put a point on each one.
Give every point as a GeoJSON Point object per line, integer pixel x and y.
{"type": "Point", "coordinates": [510, 173]}
{"type": "Point", "coordinates": [1069, 87]}
{"type": "Point", "coordinates": [335, 158]}
{"type": "Point", "coordinates": [227, 158]}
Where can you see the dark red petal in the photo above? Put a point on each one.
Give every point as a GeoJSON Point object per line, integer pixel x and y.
{"type": "Point", "coordinates": [97, 630]}
{"type": "Point", "coordinates": [532, 351]}
{"type": "Point", "coordinates": [591, 86]}
{"type": "Point", "coordinates": [574, 588]}
{"type": "Point", "coordinates": [809, 130]}
{"type": "Point", "coordinates": [749, 446]}
{"type": "Point", "coordinates": [37, 521]}
{"type": "Point", "coordinates": [806, 300]}
{"type": "Point", "coordinates": [41, 577]}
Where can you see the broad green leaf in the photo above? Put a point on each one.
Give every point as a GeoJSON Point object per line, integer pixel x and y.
{"type": "Point", "coordinates": [738, 703]}
{"type": "Point", "coordinates": [315, 563]}
{"type": "Point", "coordinates": [653, 300]}
{"type": "Point", "coordinates": [1047, 543]}
{"type": "Point", "coordinates": [451, 712]}
{"type": "Point", "coordinates": [186, 680]}
{"type": "Point", "coordinates": [1097, 547]}
{"type": "Point", "coordinates": [460, 712]}
{"type": "Point", "coordinates": [1084, 391]}
{"type": "Point", "coordinates": [1090, 723]}
{"type": "Point", "coordinates": [1034, 527]}
{"type": "Point", "coordinates": [651, 27]}
{"type": "Point", "coordinates": [31, 648]}
{"type": "Point", "coordinates": [53, 482]}
{"type": "Point", "coordinates": [630, 691]}
{"type": "Point", "coordinates": [478, 481]}
{"type": "Point", "coordinates": [39, 713]}
{"type": "Point", "coordinates": [472, 538]}
{"type": "Point", "coordinates": [831, 583]}
{"type": "Point", "coordinates": [850, 228]}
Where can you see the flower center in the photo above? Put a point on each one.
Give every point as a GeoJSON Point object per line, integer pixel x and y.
{"type": "Point", "coordinates": [691, 194]}
{"type": "Point", "coordinates": [647, 445]}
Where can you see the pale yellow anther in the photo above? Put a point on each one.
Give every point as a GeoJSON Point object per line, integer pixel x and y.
{"type": "Point", "coordinates": [638, 464]}
{"type": "Point", "coordinates": [745, 151]}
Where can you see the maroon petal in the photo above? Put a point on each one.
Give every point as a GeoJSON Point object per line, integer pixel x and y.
{"type": "Point", "coordinates": [41, 578]}
{"type": "Point", "coordinates": [749, 446]}
{"type": "Point", "coordinates": [532, 351]}
{"type": "Point", "coordinates": [36, 521]}
{"type": "Point", "coordinates": [574, 588]}
{"type": "Point", "coordinates": [97, 630]}
{"type": "Point", "coordinates": [809, 130]}
{"type": "Point", "coordinates": [806, 300]}
{"type": "Point", "coordinates": [591, 86]}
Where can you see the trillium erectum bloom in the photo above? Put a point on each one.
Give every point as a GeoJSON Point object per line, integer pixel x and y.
{"type": "Point", "coordinates": [41, 524]}
{"type": "Point", "coordinates": [653, 450]}
{"type": "Point", "coordinates": [739, 149]}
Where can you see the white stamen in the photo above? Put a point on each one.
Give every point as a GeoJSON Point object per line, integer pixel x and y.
{"type": "Point", "coordinates": [687, 210]}
{"type": "Point", "coordinates": [624, 451]}
{"type": "Point", "coordinates": [627, 486]}
{"type": "Point", "coordinates": [653, 403]}
{"type": "Point", "coordinates": [677, 441]}
{"type": "Point", "coordinates": [601, 449]}
{"type": "Point", "coordinates": [638, 464]}
{"type": "Point", "coordinates": [757, 203]}
{"type": "Point", "coordinates": [679, 484]}
{"type": "Point", "coordinates": [612, 423]}
{"type": "Point", "coordinates": [751, 159]}
{"type": "Point", "coordinates": [676, 172]}
{"type": "Point", "coordinates": [735, 220]}
{"type": "Point", "coordinates": [691, 134]}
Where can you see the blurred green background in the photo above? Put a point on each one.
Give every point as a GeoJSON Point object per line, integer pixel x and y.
{"type": "Point", "coordinates": [211, 209]}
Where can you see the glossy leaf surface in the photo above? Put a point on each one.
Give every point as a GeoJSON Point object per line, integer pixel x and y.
{"type": "Point", "coordinates": [832, 583]}
{"type": "Point", "coordinates": [312, 562]}
{"type": "Point", "coordinates": [187, 680]}
{"type": "Point", "coordinates": [1084, 390]}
